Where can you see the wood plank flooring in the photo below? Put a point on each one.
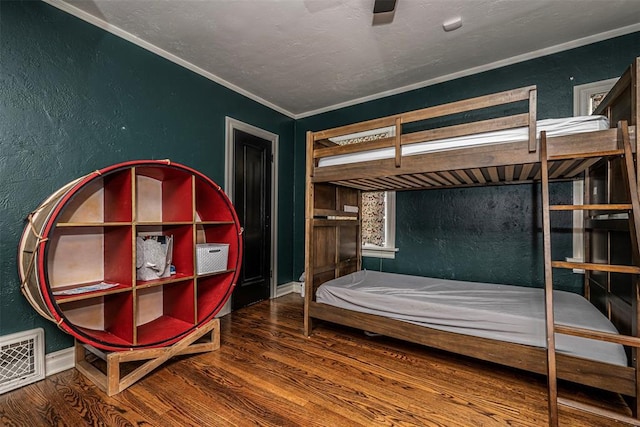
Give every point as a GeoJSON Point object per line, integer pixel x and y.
{"type": "Point", "coordinates": [267, 373]}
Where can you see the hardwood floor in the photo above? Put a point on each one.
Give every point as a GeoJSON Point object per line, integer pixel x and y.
{"type": "Point", "coordinates": [267, 373]}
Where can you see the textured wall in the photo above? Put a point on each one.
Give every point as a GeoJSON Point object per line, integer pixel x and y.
{"type": "Point", "coordinates": [74, 98]}
{"type": "Point", "coordinates": [489, 233]}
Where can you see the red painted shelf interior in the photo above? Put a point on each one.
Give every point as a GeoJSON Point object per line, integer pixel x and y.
{"type": "Point", "coordinates": [104, 217]}
{"type": "Point", "coordinates": [162, 329]}
{"type": "Point", "coordinates": [106, 337]}
{"type": "Point", "coordinates": [211, 293]}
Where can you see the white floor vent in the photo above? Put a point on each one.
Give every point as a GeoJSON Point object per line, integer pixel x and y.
{"type": "Point", "coordinates": [21, 359]}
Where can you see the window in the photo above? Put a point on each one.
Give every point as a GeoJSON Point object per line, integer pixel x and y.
{"type": "Point", "coordinates": [586, 99]}
{"type": "Point", "coordinates": [378, 208]}
{"type": "Point", "coordinates": [379, 224]}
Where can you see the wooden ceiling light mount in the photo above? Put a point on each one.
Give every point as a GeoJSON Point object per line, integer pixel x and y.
{"type": "Point", "coordinates": [383, 11]}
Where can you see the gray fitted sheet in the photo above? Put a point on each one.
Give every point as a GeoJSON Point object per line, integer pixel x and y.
{"type": "Point", "coordinates": [501, 312]}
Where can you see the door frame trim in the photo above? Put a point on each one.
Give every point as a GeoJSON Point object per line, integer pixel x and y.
{"type": "Point", "coordinates": [229, 169]}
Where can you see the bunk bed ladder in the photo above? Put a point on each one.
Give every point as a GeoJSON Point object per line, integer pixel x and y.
{"type": "Point", "coordinates": [633, 209]}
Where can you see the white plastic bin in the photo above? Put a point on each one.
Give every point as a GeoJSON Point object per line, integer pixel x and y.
{"type": "Point", "coordinates": [211, 257]}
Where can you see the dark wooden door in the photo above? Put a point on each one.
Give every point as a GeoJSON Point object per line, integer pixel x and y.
{"type": "Point", "coordinates": [252, 200]}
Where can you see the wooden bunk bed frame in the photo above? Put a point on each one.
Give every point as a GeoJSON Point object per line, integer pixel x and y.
{"type": "Point", "coordinates": [333, 231]}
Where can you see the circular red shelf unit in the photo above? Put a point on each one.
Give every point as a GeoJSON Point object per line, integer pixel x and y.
{"type": "Point", "coordinates": [80, 255]}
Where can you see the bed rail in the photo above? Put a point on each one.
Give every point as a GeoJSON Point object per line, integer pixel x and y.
{"type": "Point", "coordinates": [528, 94]}
{"type": "Point", "coordinates": [387, 132]}
{"type": "Point", "coordinates": [479, 165]}
{"type": "Point", "coordinates": [508, 162]}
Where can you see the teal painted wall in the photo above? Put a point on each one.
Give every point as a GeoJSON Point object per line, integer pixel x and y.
{"type": "Point", "coordinates": [74, 98]}
{"type": "Point", "coordinates": [484, 233]}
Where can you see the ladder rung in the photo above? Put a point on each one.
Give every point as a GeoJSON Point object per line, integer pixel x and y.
{"type": "Point", "coordinates": [617, 207]}
{"type": "Point", "coordinates": [630, 269]}
{"type": "Point", "coordinates": [597, 335]}
{"type": "Point", "coordinates": [595, 410]}
{"type": "Point", "coordinates": [570, 156]}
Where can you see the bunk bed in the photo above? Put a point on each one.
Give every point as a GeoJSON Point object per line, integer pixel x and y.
{"type": "Point", "coordinates": [388, 159]}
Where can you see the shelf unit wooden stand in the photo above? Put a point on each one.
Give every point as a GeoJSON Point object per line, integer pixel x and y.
{"type": "Point", "coordinates": [203, 339]}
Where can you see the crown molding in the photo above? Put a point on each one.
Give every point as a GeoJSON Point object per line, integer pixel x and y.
{"type": "Point", "coordinates": [91, 19]}
{"type": "Point", "coordinates": [87, 17]}
{"type": "Point", "coordinates": [475, 70]}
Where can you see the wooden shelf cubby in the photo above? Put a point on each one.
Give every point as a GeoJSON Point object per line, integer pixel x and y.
{"type": "Point", "coordinates": [87, 236]}
{"type": "Point", "coordinates": [211, 291]}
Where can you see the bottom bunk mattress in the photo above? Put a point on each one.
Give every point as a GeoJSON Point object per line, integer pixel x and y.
{"type": "Point", "coordinates": [500, 312]}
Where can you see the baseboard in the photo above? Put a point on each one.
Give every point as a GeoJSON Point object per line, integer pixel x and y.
{"type": "Point", "coordinates": [289, 288]}
{"type": "Point", "coordinates": [226, 309]}
{"type": "Point", "coordinates": [297, 287]}
{"type": "Point", "coordinates": [59, 361]}
{"type": "Point", "coordinates": [285, 289]}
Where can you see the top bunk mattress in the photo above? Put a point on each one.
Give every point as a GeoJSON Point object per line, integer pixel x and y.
{"type": "Point", "coordinates": [553, 127]}
{"type": "Point", "coordinates": [500, 312]}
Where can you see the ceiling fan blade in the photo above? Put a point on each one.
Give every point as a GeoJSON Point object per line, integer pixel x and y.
{"type": "Point", "coordinates": [384, 6]}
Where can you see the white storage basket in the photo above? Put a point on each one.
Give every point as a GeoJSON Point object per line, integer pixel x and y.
{"type": "Point", "coordinates": [211, 257]}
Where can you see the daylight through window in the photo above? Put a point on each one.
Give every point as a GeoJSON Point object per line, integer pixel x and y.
{"type": "Point", "coordinates": [373, 218]}
{"type": "Point", "coordinates": [378, 207]}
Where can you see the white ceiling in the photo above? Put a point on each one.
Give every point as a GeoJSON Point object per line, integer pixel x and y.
{"type": "Point", "coordinates": [302, 57]}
